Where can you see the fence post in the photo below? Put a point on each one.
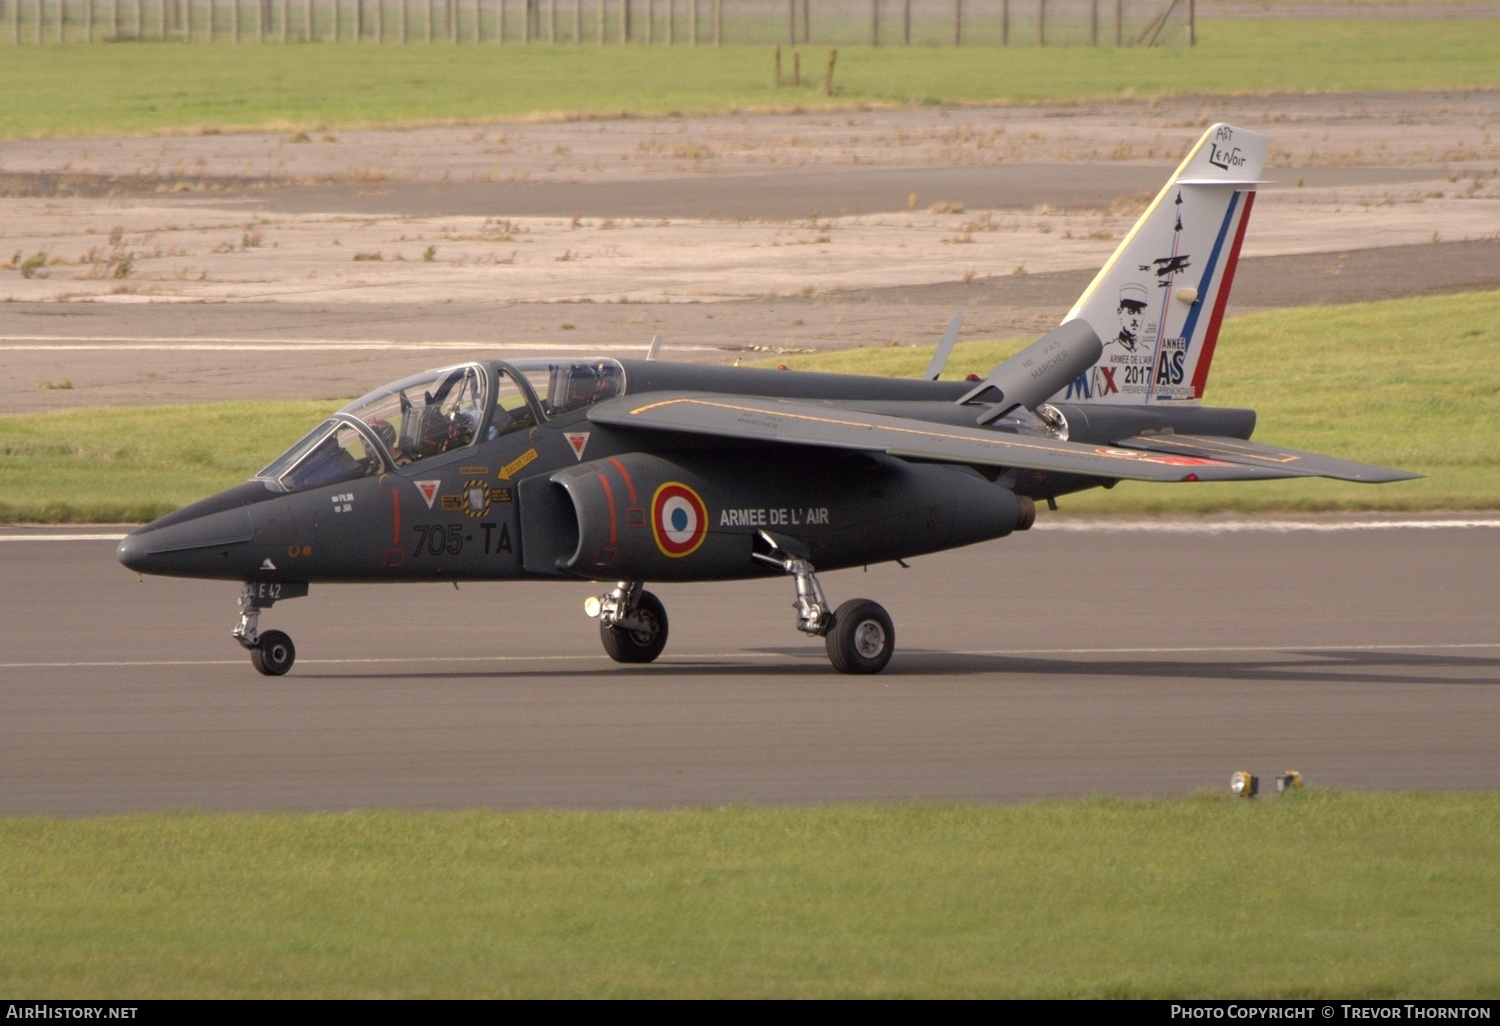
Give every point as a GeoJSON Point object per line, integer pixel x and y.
{"type": "Point", "coordinates": [1093, 22]}
{"type": "Point", "coordinates": [88, 21]}
{"type": "Point", "coordinates": [1004, 22]}
{"type": "Point", "coordinates": [1119, 21]}
{"type": "Point", "coordinates": [624, 21]}
{"type": "Point", "coordinates": [833, 55]}
{"type": "Point", "coordinates": [874, 22]}
{"type": "Point", "coordinates": [1189, 30]}
{"type": "Point", "coordinates": [1041, 22]}
{"type": "Point", "coordinates": [906, 22]}
{"type": "Point", "coordinates": [958, 22]}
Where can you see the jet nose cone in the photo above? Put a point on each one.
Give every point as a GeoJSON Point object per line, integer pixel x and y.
{"type": "Point", "coordinates": [132, 552]}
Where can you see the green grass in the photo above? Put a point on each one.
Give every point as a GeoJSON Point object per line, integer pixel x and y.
{"type": "Point", "coordinates": [81, 89]}
{"type": "Point", "coordinates": [129, 464]}
{"type": "Point", "coordinates": [1407, 383]}
{"type": "Point", "coordinates": [1315, 894]}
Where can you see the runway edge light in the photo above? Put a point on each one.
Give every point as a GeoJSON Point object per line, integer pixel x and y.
{"type": "Point", "coordinates": [1244, 784]}
{"type": "Point", "coordinates": [1291, 780]}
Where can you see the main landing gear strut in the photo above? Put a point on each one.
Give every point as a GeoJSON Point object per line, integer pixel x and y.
{"type": "Point", "coordinates": [858, 635]}
{"type": "Point", "coordinates": [632, 623]}
{"type": "Point", "coordinates": [272, 653]}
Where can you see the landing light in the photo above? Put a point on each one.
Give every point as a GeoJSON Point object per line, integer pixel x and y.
{"type": "Point", "coordinates": [592, 605]}
{"type": "Point", "coordinates": [1291, 780]}
{"type": "Point", "coordinates": [1244, 784]}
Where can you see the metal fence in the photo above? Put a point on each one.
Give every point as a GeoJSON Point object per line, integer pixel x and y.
{"type": "Point", "coordinates": [608, 22]}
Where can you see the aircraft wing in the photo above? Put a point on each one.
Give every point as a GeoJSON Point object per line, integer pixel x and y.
{"type": "Point", "coordinates": [1253, 454]}
{"type": "Point", "coordinates": [793, 422]}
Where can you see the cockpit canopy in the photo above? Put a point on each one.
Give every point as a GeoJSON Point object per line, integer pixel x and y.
{"type": "Point", "coordinates": [426, 414]}
{"type": "Point", "coordinates": [563, 387]}
{"type": "Point", "coordinates": [439, 411]}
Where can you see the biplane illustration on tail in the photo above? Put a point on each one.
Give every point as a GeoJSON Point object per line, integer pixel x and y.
{"type": "Point", "coordinates": [629, 471]}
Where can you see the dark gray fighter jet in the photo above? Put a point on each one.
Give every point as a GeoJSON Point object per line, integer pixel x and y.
{"type": "Point", "coordinates": [628, 471]}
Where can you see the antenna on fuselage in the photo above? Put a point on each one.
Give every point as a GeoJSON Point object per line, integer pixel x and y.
{"type": "Point", "coordinates": [944, 349]}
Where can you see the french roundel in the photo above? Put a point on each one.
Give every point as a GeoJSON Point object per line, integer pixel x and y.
{"type": "Point", "coordinates": [679, 520]}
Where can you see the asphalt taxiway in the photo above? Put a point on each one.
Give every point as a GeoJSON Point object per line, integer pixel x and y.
{"type": "Point", "coordinates": [1123, 657]}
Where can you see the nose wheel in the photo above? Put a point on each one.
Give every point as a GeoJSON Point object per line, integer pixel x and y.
{"type": "Point", "coordinates": [271, 653]}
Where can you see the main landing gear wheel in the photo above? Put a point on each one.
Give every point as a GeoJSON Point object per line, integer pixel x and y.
{"type": "Point", "coordinates": [273, 654]}
{"type": "Point", "coordinates": [643, 643]}
{"type": "Point", "coordinates": [862, 639]}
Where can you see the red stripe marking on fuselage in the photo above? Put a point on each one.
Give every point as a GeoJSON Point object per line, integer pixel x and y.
{"type": "Point", "coordinates": [395, 517]}
{"type": "Point", "coordinates": [628, 483]}
{"type": "Point", "coordinates": [1211, 335]}
{"type": "Point", "coordinates": [610, 496]}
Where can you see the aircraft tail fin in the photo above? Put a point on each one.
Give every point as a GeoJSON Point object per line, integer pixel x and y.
{"type": "Point", "coordinates": [1158, 302]}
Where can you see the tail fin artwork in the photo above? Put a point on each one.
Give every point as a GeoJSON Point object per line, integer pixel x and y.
{"type": "Point", "coordinates": [1158, 302]}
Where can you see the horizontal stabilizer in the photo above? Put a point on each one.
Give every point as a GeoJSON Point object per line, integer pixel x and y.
{"type": "Point", "coordinates": [1289, 462]}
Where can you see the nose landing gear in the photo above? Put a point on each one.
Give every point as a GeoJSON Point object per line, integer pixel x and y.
{"type": "Point", "coordinates": [271, 653]}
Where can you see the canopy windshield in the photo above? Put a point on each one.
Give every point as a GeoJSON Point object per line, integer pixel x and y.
{"type": "Point", "coordinates": [336, 450]}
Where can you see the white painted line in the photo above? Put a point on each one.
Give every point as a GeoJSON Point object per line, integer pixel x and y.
{"type": "Point", "coordinates": [59, 537]}
{"type": "Point", "coordinates": [743, 656]}
{"type": "Point", "coordinates": [1200, 649]}
{"type": "Point", "coordinates": [1268, 526]}
{"type": "Point", "coordinates": [109, 343]}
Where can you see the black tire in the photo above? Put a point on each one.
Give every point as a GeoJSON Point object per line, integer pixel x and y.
{"type": "Point", "coordinates": [862, 639]}
{"type": "Point", "coordinates": [273, 654]}
{"type": "Point", "coordinates": [640, 646]}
